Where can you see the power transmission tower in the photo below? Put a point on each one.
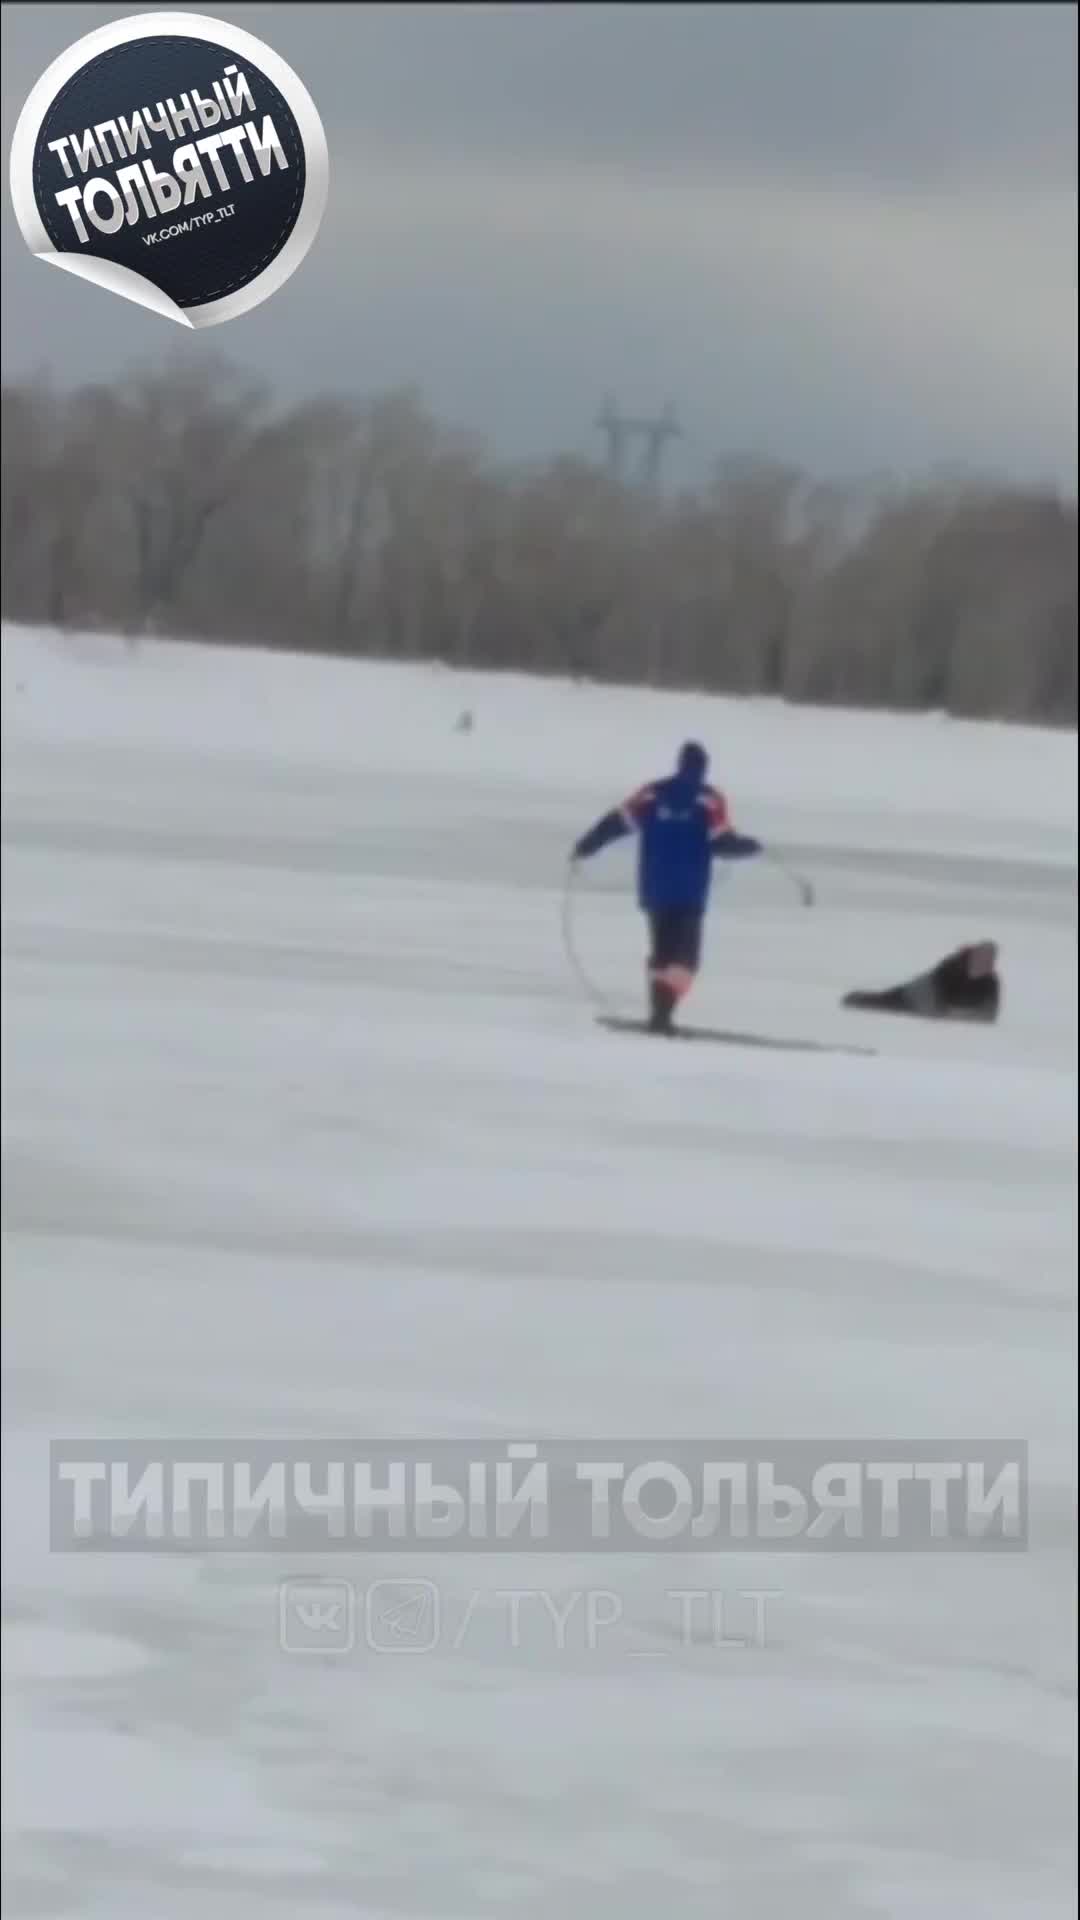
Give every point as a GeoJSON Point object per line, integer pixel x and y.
{"type": "Point", "coordinates": [622, 432]}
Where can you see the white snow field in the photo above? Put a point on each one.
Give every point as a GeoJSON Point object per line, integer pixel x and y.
{"type": "Point", "coordinates": [309, 1132]}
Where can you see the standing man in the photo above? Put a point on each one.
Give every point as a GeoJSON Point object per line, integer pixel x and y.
{"type": "Point", "coordinates": [683, 824]}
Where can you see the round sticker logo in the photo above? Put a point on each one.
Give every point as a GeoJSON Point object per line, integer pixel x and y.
{"type": "Point", "coordinates": [174, 160]}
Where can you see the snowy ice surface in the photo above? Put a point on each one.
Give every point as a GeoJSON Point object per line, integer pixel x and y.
{"type": "Point", "coordinates": [308, 1131]}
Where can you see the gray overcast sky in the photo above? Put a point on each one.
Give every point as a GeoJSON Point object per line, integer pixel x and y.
{"type": "Point", "coordinates": [844, 235]}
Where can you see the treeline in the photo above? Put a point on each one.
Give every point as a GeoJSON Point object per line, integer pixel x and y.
{"type": "Point", "coordinates": [181, 501]}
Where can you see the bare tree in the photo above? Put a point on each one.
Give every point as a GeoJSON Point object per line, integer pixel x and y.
{"type": "Point", "coordinates": [180, 500]}
{"type": "Point", "coordinates": [186, 436]}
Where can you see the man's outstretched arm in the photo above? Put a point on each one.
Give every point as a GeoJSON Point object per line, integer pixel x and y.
{"type": "Point", "coordinates": [613, 826]}
{"type": "Point", "coordinates": [724, 842]}
{"type": "Point", "coordinates": [730, 845]}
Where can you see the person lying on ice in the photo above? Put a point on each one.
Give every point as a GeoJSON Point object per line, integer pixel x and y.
{"type": "Point", "coordinates": [683, 825]}
{"type": "Point", "coordinates": [966, 985]}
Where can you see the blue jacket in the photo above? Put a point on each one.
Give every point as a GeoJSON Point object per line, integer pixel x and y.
{"type": "Point", "coordinates": [683, 825]}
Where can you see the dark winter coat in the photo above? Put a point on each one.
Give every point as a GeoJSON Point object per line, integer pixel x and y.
{"type": "Point", "coordinates": [683, 825]}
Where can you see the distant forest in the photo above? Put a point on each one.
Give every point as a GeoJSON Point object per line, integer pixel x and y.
{"type": "Point", "coordinates": [183, 501]}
